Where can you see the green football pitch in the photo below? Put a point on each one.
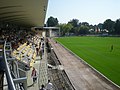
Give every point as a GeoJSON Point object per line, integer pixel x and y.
{"type": "Point", "coordinates": [103, 53]}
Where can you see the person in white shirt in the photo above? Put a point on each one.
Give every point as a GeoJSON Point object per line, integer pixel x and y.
{"type": "Point", "coordinates": [49, 86]}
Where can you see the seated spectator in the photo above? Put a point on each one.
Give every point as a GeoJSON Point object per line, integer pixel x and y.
{"type": "Point", "coordinates": [49, 86]}
{"type": "Point", "coordinates": [42, 87]}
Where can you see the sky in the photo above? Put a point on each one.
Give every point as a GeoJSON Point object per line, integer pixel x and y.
{"type": "Point", "coordinates": [91, 11]}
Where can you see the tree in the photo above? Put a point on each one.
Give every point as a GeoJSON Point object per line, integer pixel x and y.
{"type": "Point", "coordinates": [117, 26]}
{"type": "Point", "coordinates": [85, 23]}
{"type": "Point", "coordinates": [62, 31]}
{"type": "Point", "coordinates": [83, 29]}
{"type": "Point", "coordinates": [100, 26]}
{"type": "Point", "coordinates": [75, 24]}
{"type": "Point", "coordinates": [109, 25]}
{"type": "Point", "coordinates": [65, 28]}
{"type": "Point", "coordinates": [51, 22]}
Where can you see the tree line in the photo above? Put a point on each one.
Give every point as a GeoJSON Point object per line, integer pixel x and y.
{"type": "Point", "coordinates": [75, 27]}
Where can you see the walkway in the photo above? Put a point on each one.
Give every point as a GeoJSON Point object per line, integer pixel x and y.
{"type": "Point", "coordinates": [81, 76]}
{"type": "Point", "coordinates": [41, 66]}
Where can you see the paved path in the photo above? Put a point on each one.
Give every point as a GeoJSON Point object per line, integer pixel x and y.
{"type": "Point", "coordinates": [41, 66]}
{"type": "Point", "coordinates": [80, 75]}
{"type": "Point", "coordinates": [29, 80]}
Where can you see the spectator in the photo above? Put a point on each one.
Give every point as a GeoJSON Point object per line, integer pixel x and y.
{"type": "Point", "coordinates": [49, 85]}
{"type": "Point", "coordinates": [34, 75]}
{"type": "Point", "coordinates": [37, 50]}
{"type": "Point", "coordinates": [42, 48]}
{"type": "Point", "coordinates": [42, 87]}
{"type": "Point", "coordinates": [41, 53]}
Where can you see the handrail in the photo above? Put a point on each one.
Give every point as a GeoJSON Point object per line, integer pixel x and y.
{"type": "Point", "coordinates": [11, 85]}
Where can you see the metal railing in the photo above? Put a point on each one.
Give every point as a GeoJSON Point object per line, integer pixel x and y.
{"type": "Point", "coordinates": [10, 82]}
{"type": "Point", "coordinates": [15, 80]}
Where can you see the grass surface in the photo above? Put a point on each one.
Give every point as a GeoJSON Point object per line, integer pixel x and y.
{"type": "Point", "coordinates": [97, 52]}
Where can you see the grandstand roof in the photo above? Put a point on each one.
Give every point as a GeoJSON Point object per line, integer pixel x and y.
{"type": "Point", "coordinates": [23, 12]}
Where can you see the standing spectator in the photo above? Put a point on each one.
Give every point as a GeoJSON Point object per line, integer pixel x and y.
{"type": "Point", "coordinates": [42, 48]}
{"type": "Point", "coordinates": [49, 85]}
{"type": "Point", "coordinates": [39, 45]}
{"type": "Point", "coordinates": [34, 75]}
{"type": "Point", "coordinates": [37, 50]}
{"type": "Point", "coordinates": [41, 52]}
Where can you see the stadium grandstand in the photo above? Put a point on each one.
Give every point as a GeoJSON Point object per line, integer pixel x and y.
{"type": "Point", "coordinates": [26, 44]}
{"type": "Point", "coordinates": [23, 47]}
{"type": "Point", "coordinates": [18, 41]}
